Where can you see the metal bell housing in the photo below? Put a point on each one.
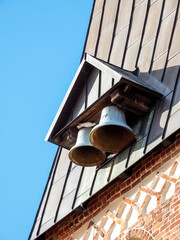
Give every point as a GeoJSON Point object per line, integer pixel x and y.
{"type": "Point", "coordinates": [112, 134]}
{"type": "Point", "coordinates": [83, 153]}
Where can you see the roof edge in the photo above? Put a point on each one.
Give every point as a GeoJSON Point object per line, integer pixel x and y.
{"type": "Point", "coordinates": [115, 72]}
{"type": "Point", "coordinates": [48, 135]}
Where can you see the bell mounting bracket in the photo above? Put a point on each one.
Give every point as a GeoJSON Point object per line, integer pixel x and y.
{"type": "Point", "coordinates": [129, 96]}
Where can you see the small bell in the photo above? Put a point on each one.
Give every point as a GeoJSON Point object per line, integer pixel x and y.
{"type": "Point", "coordinates": [83, 152]}
{"type": "Point", "coordinates": [112, 134]}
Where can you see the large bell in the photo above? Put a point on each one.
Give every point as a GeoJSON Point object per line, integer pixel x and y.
{"type": "Point", "coordinates": [112, 134]}
{"type": "Point", "coordinates": [83, 152]}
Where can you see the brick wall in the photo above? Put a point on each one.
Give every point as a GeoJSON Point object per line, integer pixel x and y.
{"type": "Point", "coordinates": [144, 206]}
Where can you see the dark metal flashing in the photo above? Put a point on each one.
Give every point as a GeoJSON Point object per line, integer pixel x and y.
{"type": "Point", "coordinates": [86, 96]}
{"type": "Point", "coordinates": [99, 85]}
{"type": "Point", "coordinates": [112, 82]}
{"type": "Point", "coordinates": [129, 154]}
{"type": "Point", "coordinates": [82, 207]}
{"type": "Point", "coordinates": [146, 80]}
{"type": "Point", "coordinates": [41, 237]}
{"type": "Point", "coordinates": [110, 172]}
{"type": "Point", "coordinates": [132, 76]}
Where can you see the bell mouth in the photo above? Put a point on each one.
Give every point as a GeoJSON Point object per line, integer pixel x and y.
{"type": "Point", "coordinates": [86, 156]}
{"type": "Point", "coordinates": [111, 138]}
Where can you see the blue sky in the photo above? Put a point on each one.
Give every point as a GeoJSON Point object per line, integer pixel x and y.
{"type": "Point", "coordinates": [41, 43]}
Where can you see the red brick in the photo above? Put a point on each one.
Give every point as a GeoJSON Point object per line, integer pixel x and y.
{"type": "Point", "coordinates": [128, 182]}
{"type": "Point", "coordinates": [162, 222]}
{"type": "Point", "coordinates": [175, 234]}
{"type": "Point", "coordinates": [175, 224]}
{"type": "Point", "coordinates": [174, 215]}
{"type": "Point", "coordinates": [148, 166]}
{"type": "Point", "coordinates": [155, 233]}
{"type": "Point", "coordinates": [175, 204]}
{"type": "Point", "coordinates": [157, 226]}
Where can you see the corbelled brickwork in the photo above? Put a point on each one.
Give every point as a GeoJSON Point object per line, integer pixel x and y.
{"type": "Point", "coordinates": [144, 206]}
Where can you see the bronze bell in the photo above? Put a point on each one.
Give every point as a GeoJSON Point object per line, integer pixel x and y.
{"type": "Point", "coordinates": [112, 134]}
{"type": "Point", "coordinates": [83, 153]}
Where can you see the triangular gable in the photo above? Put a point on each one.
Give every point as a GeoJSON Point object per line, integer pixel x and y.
{"type": "Point", "coordinates": [117, 77]}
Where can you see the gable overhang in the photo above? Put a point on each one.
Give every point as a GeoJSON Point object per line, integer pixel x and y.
{"type": "Point", "coordinates": [60, 128]}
